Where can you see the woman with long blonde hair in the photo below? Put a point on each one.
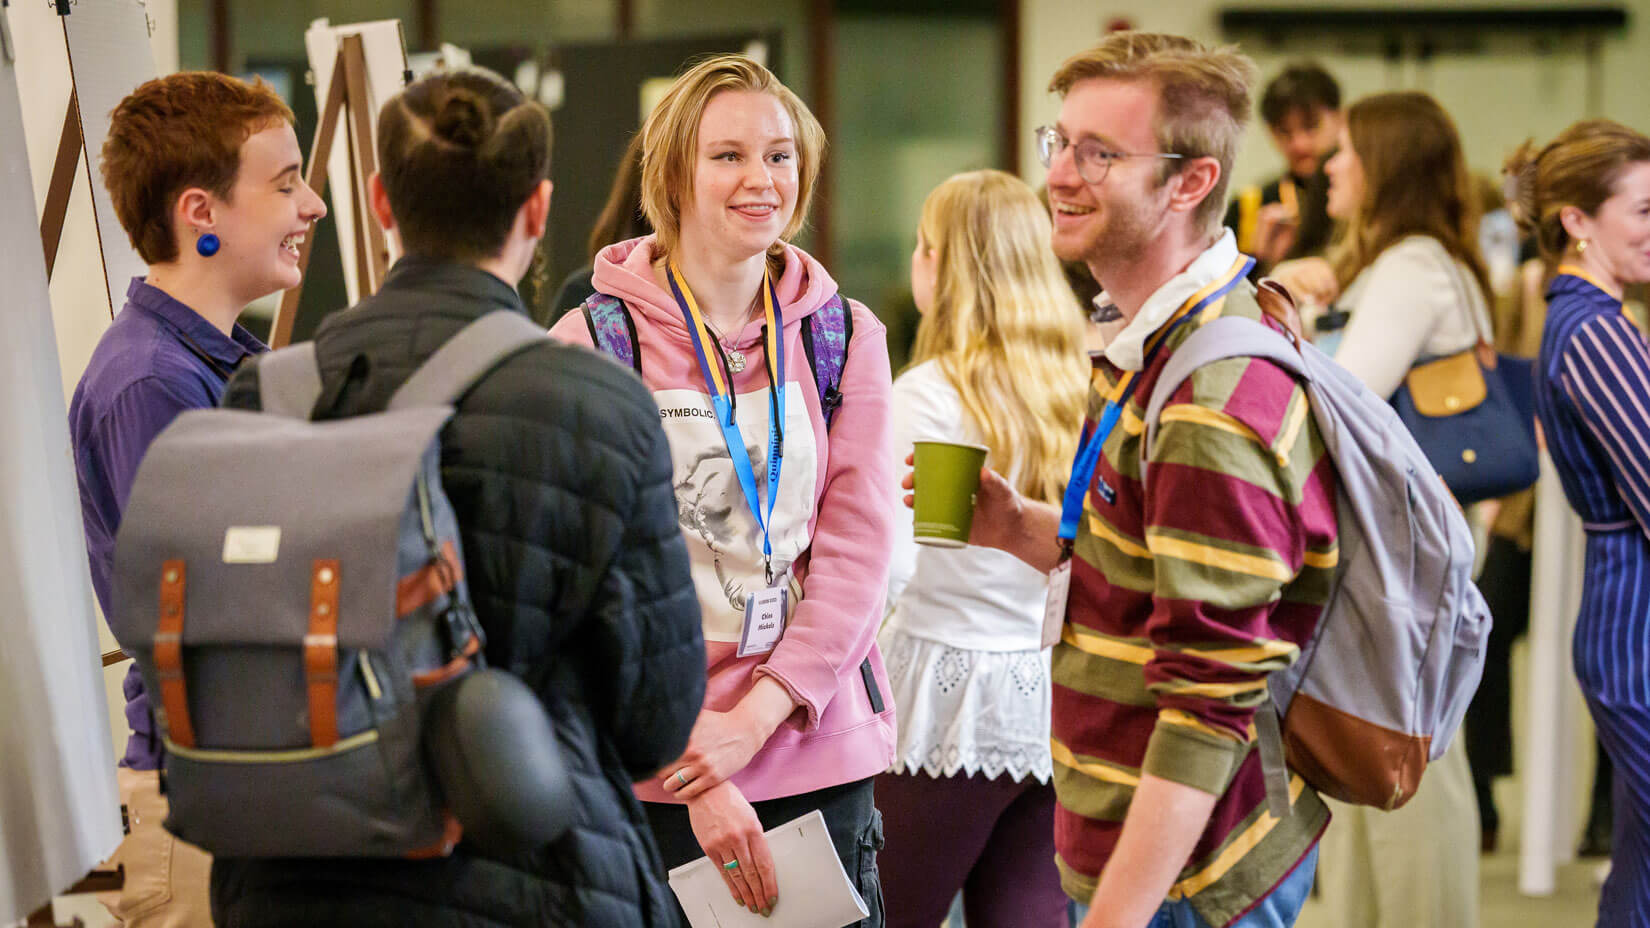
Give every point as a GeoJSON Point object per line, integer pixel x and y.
{"type": "Point", "coordinates": [999, 362]}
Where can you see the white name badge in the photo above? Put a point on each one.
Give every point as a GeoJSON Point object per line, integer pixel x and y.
{"type": "Point", "coordinates": [1054, 607]}
{"type": "Point", "coordinates": [764, 621]}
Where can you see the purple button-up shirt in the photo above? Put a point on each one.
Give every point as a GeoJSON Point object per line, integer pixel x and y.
{"type": "Point", "coordinates": [157, 359]}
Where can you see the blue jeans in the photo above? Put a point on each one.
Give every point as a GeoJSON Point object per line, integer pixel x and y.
{"type": "Point", "coordinates": [1279, 909]}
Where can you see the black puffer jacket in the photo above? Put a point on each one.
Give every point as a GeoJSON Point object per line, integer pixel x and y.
{"type": "Point", "coordinates": [560, 476]}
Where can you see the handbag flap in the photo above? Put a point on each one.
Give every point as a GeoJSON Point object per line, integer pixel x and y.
{"type": "Point", "coordinates": [1448, 386]}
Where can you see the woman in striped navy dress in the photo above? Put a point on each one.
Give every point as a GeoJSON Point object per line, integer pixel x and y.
{"type": "Point", "coordinates": [1586, 199]}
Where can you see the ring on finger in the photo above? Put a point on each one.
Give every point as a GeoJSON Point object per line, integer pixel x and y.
{"type": "Point", "coordinates": [680, 778]}
{"type": "Point", "coordinates": [731, 865]}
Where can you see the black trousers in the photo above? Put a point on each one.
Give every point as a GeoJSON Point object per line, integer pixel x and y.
{"type": "Point", "coordinates": [851, 818]}
{"type": "Point", "coordinates": [1505, 584]}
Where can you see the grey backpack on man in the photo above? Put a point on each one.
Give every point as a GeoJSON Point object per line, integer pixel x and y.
{"type": "Point", "coordinates": [293, 593]}
{"type": "Point", "coordinates": [1383, 683]}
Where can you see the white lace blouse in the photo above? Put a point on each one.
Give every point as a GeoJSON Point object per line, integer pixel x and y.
{"type": "Point", "coordinates": [969, 678]}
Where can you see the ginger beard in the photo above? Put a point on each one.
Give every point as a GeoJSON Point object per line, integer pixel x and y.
{"type": "Point", "coordinates": [1117, 231]}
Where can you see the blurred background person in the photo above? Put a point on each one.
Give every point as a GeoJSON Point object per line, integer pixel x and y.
{"type": "Point", "coordinates": [1287, 217]}
{"type": "Point", "coordinates": [1585, 198]}
{"type": "Point", "coordinates": [999, 362]}
{"type": "Point", "coordinates": [1408, 271]}
{"type": "Point", "coordinates": [621, 220]}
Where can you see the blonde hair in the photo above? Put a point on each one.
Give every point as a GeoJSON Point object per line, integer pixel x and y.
{"type": "Point", "coordinates": [1002, 326]}
{"type": "Point", "coordinates": [1416, 182]}
{"type": "Point", "coordinates": [670, 142]}
{"type": "Point", "coordinates": [1203, 99]}
{"type": "Point", "coordinates": [1579, 168]}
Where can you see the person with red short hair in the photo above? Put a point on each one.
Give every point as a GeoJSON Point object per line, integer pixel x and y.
{"type": "Point", "coordinates": [206, 177]}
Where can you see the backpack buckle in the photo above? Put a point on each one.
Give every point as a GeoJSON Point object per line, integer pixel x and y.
{"type": "Point", "coordinates": [459, 626]}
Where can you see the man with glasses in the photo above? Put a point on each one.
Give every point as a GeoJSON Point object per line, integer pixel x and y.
{"type": "Point", "coordinates": [1187, 590]}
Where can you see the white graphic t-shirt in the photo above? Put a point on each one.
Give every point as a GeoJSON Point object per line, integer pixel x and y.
{"type": "Point", "coordinates": [723, 539]}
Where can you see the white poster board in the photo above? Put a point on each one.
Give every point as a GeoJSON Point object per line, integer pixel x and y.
{"type": "Point", "coordinates": [386, 53]}
{"type": "Point", "coordinates": [109, 56]}
{"type": "Point", "coordinates": [59, 808]}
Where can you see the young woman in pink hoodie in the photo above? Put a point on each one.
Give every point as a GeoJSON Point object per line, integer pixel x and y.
{"type": "Point", "coordinates": [787, 517]}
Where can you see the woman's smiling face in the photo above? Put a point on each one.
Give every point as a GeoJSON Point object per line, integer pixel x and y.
{"type": "Point", "coordinates": [745, 175]}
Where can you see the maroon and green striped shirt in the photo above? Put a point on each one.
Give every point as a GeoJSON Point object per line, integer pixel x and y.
{"type": "Point", "coordinates": [1183, 599]}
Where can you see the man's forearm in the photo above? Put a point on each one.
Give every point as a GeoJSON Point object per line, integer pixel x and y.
{"type": "Point", "coordinates": [1036, 540]}
{"type": "Point", "coordinates": [1164, 822]}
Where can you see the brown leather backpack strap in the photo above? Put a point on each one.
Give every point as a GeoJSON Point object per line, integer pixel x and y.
{"type": "Point", "coordinates": [174, 699]}
{"type": "Point", "coordinates": [321, 653]}
{"type": "Point", "coordinates": [1278, 304]}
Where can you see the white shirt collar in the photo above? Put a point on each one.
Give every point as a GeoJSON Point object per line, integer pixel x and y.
{"type": "Point", "coordinates": [1126, 340]}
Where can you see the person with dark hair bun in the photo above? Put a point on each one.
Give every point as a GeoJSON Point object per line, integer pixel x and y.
{"type": "Point", "coordinates": [560, 476]}
{"type": "Point", "coordinates": [1585, 198]}
{"type": "Point", "coordinates": [460, 156]}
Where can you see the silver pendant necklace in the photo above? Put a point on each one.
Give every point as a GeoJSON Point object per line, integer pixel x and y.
{"type": "Point", "coordinates": [736, 358]}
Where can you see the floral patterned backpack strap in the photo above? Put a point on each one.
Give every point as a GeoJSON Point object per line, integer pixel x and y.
{"type": "Point", "coordinates": [825, 337]}
{"type": "Point", "coordinates": [612, 330]}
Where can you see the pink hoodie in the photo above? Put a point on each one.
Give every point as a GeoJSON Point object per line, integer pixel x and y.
{"type": "Point", "coordinates": [832, 523]}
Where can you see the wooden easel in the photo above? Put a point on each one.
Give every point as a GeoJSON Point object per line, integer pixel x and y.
{"type": "Point", "coordinates": [61, 184]}
{"type": "Point", "coordinates": [56, 214]}
{"type": "Point", "coordinates": [52, 218]}
{"type": "Point", "coordinates": [348, 89]}
{"type": "Point", "coordinates": [51, 236]}
{"type": "Point", "coordinates": [98, 881]}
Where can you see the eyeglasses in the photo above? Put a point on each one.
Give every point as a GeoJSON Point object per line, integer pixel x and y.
{"type": "Point", "coordinates": [1094, 161]}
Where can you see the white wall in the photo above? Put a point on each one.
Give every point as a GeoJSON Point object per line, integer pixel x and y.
{"type": "Point", "coordinates": [1509, 92]}
{"type": "Point", "coordinates": [80, 303]}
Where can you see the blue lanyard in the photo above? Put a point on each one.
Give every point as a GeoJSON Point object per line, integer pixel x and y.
{"type": "Point", "coordinates": [1094, 440]}
{"type": "Point", "coordinates": [722, 400]}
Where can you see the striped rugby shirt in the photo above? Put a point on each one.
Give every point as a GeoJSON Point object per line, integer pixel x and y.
{"type": "Point", "coordinates": [1183, 599]}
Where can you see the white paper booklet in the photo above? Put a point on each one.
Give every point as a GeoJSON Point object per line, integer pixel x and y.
{"type": "Point", "coordinates": [814, 890]}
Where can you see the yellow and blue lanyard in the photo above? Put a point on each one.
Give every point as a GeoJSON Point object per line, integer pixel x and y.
{"type": "Point", "coordinates": [1092, 443]}
{"type": "Point", "coordinates": [722, 399]}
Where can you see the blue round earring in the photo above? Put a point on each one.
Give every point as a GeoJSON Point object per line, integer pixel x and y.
{"type": "Point", "coordinates": [207, 245]}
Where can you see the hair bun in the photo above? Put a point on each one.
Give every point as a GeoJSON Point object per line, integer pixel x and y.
{"type": "Point", "coordinates": [1521, 173]}
{"type": "Point", "coordinates": [463, 119]}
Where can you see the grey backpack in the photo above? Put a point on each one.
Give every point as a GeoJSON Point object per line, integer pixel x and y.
{"type": "Point", "coordinates": [293, 594]}
{"type": "Point", "coordinates": [1383, 683]}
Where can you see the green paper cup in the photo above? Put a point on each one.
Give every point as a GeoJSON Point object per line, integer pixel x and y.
{"type": "Point", "coordinates": [947, 474]}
